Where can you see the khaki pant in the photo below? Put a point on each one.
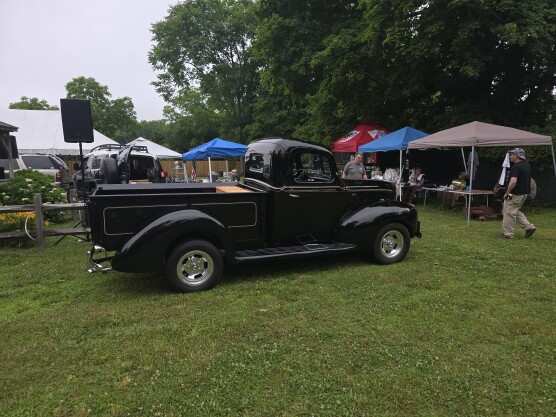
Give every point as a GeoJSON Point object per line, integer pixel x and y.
{"type": "Point", "coordinates": [512, 215]}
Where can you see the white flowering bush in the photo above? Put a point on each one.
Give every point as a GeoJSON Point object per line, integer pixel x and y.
{"type": "Point", "coordinates": [23, 187]}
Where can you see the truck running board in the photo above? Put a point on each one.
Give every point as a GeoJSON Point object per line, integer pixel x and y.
{"type": "Point", "coordinates": [292, 251]}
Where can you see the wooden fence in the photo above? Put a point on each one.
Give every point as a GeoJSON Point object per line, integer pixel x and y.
{"type": "Point", "coordinates": [41, 232]}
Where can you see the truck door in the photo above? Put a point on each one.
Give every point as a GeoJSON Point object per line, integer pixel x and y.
{"type": "Point", "coordinates": [308, 209]}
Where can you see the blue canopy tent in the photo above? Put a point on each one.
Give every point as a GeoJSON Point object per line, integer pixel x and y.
{"type": "Point", "coordinates": [394, 141]}
{"type": "Point", "coordinates": [216, 148]}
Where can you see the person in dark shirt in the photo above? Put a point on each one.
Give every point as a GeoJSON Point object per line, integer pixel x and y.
{"type": "Point", "coordinates": [516, 194]}
{"type": "Point", "coordinates": [234, 175]}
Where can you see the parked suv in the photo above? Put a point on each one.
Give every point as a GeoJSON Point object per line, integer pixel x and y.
{"type": "Point", "coordinates": [115, 164]}
{"type": "Point", "coordinates": [46, 164]}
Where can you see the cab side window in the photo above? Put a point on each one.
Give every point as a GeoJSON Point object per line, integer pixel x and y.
{"type": "Point", "coordinates": [311, 167]}
{"type": "Point", "coordinates": [259, 166]}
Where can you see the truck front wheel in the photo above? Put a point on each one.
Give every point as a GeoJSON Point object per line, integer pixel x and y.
{"type": "Point", "coordinates": [194, 266]}
{"type": "Point", "coordinates": [391, 243]}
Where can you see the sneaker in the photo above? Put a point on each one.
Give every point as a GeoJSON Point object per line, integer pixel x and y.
{"type": "Point", "coordinates": [503, 236]}
{"type": "Point", "coordinates": [529, 233]}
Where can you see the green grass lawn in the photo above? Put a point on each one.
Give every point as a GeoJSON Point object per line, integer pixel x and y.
{"type": "Point", "coordinates": [465, 326]}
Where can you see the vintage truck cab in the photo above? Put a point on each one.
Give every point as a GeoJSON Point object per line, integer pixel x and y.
{"type": "Point", "coordinates": [292, 203]}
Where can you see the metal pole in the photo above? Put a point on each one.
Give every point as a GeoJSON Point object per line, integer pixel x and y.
{"type": "Point", "coordinates": [464, 163]}
{"type": "Point", "coordinates": [553, 160]}
{"type": "Point", "coordinates": [210, 171]}
{"type": "Point", "coordinates": [400, 178]}
{"type": "Point", "coordinates": [470, 186]}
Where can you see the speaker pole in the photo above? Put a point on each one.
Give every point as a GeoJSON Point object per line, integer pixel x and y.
{"type": "Point", "coordinates": [83, 185]}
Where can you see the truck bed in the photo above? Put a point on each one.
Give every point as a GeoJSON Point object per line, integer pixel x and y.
{"type": "Point", "coordinates": [116, 211]}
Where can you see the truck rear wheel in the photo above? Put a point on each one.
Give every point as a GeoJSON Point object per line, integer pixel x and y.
{"type": "Point", "coordinates": [194, 266]}
{"type": "Point", "coordinates": [391, 243]}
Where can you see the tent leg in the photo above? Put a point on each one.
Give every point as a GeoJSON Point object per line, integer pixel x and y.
{"type": "Point", "coordinates": [210, 171]}
{"type": "Point", "coordinates": [464, 162]}
{"type": "Point", "coordinates": [400, 179]}
{"type": "Point", "coordinates": [553, 160]}
{"type": "Point", "coordinates": [470, 187]}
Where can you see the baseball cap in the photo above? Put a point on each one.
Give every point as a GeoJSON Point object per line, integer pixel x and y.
{"type": "Point", "coordinates": [520, 153]}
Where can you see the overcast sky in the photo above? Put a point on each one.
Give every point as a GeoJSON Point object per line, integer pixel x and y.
{"type": "Point", "coordinates": [44, 44]}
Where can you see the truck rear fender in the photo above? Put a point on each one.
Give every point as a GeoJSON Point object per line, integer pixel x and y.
{"type": "Point", "coordinates": [358, 226]}
{"type": "Point", "coordinates": [149, 247]}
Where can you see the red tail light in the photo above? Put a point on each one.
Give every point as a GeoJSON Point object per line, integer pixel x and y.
{"type": "Point", "coordinates": [59, 176]}
{"type": "Point", "coordinates": [163, 174]}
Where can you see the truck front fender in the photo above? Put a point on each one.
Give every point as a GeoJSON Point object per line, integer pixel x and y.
{"type": "Point", "coordinates": [148, 247]}
{"type": "Point", "coordinates": [360, 225]}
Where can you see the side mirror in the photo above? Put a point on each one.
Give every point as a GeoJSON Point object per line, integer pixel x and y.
{"type": "Point", "coordinates": [76, 166]}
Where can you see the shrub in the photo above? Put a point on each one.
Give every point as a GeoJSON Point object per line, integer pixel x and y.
{"type": "Point", "coordinates": [23, 187]}
{"type": "Point", "coordinates": [16, 221]}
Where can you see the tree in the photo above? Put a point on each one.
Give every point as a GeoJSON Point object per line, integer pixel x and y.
{"type": "Point", "coordinates": [32, 103]}
{"type": "Point", "coordinates": [289, 40]}
{"type": "Point", "coordinates": [193, 119]}
{"type": "Point", "coordinates": [429, 64]}
{"type": "Point", "coordinates": [205, 45]}
{"type": "Point", "coordinates": [114, 118]}
{"type": "Point", "coordinates": [450, 62]}
{"type": "Point", "coordinates": [158, 131]}
{"type": "Point", "coordinates": [121, 119]}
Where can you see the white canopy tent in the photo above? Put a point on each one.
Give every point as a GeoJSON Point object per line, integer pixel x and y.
{"type": "Point", "coordinates": [477, 134]}
{"type": "Point", "coordinates": [161, 152]}
{"type": "Point", "coordinates": [41, 131]}
{"type": "Point", "coordinates": [156, 149]}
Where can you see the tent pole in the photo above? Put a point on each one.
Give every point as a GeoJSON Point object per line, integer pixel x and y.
{"type": "Point", "coordinates": [470, 188]}
{"type": "Point", "coordinates": [464, 162]}
{"type": "Point", "coordinates": [553, 160]}
{"type": "Point", "coordinates": [210, 171]}
{"type": "Point", "coordinates": [400, 178]}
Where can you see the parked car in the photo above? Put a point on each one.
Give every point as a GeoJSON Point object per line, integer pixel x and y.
{"type": "Point", "coordinates": [117, 164]}
{"type": "Point", "coordinates": [46, 164]}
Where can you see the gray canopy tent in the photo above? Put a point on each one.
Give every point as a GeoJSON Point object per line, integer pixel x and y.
{"type": "Point", "coordinates": [477, 134]}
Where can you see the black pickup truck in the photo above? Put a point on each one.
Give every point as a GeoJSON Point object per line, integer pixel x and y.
{"type": "Point", "coordinates": [292, 204]}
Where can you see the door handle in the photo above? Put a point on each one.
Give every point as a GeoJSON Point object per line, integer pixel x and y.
{"type": "Point", "coordinates": [293, 195]}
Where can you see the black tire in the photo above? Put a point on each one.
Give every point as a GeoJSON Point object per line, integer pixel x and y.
{"type": "Point", "coordinates": [194, 266]}
{"type": "Point", "coordinates": [391, 244]}
{"type": "Point", "coordinates": [109, 171]}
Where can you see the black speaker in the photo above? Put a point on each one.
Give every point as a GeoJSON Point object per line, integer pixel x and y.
{"type": "Point", "coordinates": [77, 120]}
{"type": "Point", "coordinates": [13, 142]}
{"type": "Point", "coordinates": [4, 143]}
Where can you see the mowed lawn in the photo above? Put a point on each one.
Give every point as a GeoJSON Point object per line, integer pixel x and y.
{"type": "Point", "coordinates": [465, 326]}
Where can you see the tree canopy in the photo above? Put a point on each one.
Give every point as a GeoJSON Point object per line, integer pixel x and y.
{"type": "Point", "coordinates": [203, 48]}
{"type": "Point", "coordinates": [427, 64]}
{"type": "Point", "coordinates": [114, 118]}
{"type": "Point", "coordinates": [31, 103]}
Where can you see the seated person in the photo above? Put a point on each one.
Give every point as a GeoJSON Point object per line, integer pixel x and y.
{"type": "Point", "coordinates": [459, 184]}
{"type": "Point", "coordinates": [411, 192]}
{"type": "Point", "coordinates": [234, 175]}
{"type": "Point", "coordinates": [377, 174]}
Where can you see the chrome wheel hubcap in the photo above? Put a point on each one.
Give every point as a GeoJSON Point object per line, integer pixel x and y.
{"type": "Point", "coordinates": [195, 267]}
{"type": "Point", "coordinates": [391, 244]}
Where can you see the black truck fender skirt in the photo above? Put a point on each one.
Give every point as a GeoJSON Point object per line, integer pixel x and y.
{"type": "Point", "coordinates": [357, 226]}
{"type": "Point", "coordinates": [148, 247]}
